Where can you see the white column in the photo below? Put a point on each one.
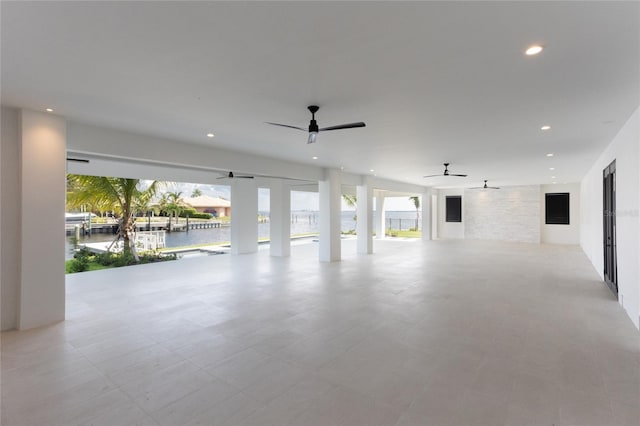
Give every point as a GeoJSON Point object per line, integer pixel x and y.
{"type": "Point", "coordinates": [364, 224]}
{"type": "Point", "coordinates": [42, 180]}
{"type": "Point", "coordinates": [330, 201]}
{"type": "Point", "coordinates": [434, 214]}
{"type": "Point", "coordinates": [380, 225]}
{"type": "Point", "coordinates": [244, 216]}
{"type": "Point", "coordinates": [427, 231]}
{"type": "Point", "coordinates": [10, 217]}
{"type": "Point", "coordinates": [280, 219]}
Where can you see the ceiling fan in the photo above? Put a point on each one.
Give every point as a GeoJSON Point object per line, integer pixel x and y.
{"type": "Point", "coordinates": [230, 175]}
{"type": "Point", "coordinates": [485, 186]}
{"type": "Point", "coordinates": [313, 125]}
{"type": "Point", "coordinates": [446, 172]}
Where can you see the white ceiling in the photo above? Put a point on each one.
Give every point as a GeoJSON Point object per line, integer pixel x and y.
{"type": "Point", "coordinates": [434, 81]}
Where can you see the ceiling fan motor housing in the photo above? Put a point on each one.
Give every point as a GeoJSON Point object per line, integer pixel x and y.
{"type": "Point", "coordinates": [313, 125]}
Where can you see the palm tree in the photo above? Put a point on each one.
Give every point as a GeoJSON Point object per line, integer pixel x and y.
{"type": "Point", "coordinates": [351, 201]}
{"type": "Point", "coordinates": [416, 203]}
{"type": "Point", "coordinates": [175, 205]}
{"type": "Point", "coordinates": [196, 193]}
{"type": "Point", "coordinates": [119, 193]}
{"type": "Point", "coordinates": [163, 201]}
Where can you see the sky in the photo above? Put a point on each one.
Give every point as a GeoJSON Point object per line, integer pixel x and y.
{"type": "Point", "coordinates": [299, 200]}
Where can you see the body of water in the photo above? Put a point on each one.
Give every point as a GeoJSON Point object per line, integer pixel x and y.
{"type": "Point", "coordinates": [302, 222]}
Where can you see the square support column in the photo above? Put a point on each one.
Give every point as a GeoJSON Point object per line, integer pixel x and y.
{"type": "Point", "coordinates": [43, 147]}
{"type": "Point", "coordinates": [244, 216]}
{"type": "Point", "coordinates": [330, 190]}
{"type": "Point", "coordinates": [280, 220]}
{"type": "Point", "coordinates": [427, 229]}
{"type": "Point", "coordinates": [380, 220]}
{"type": "Point", "coordinates": [365, 216]}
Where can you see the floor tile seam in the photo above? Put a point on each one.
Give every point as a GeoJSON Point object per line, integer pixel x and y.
{"type": "Point", "coordinates": [22, 367]}
{"type": "Point", "coordinates": [82, 349]}
{"type": "Point", "coordinates": [78, 404]}
{"type": "Point", "coordinates": [313, 365]}
{"type": "Point", "coordinates": [155, 413]}
{"type": "Point", "coordinates": [129, 350]}
{"type": "Point", "coordinates": [562, 413]}
{"type": "Point", "coordinates": [128, 381]}
{"type": "Point", "coordinates": [134, 400]}
{"type": "Point", "coordinates": [406, 407]}
{"type": "Point", "coordinates": [228, 358]}
{"type": "Point", "coordinates": [261, 375]}
{"type": "Point", "coordinates": [119, 388]}
{"type": "Point", "coordinates": [610, 396]}
{"type": "Point", "coordinates": [228, 383]}
{"type": "Point", "coordinates": [360, 393]}
{"type": "Point", "coordinates": [103, 374]}
{"type": "Point", "coordinates": [288, 387]}
{"type": "Point", "coordinates": [93, 370]}
{"type": "Point", "coordinates": [112, 406]}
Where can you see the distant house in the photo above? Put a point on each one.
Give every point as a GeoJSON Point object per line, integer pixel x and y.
{"type": "Point", "coordinates": [218, 207]}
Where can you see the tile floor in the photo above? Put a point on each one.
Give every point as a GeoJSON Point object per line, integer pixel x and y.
{"type": "Point", "coordinates": [449, 332]}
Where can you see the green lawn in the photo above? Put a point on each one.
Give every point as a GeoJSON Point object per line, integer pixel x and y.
{"type": "Point", "coordinates": [86, 261]}
{"type": "Point", "coordinates": [405, 234]}
{"type": "Point", "coordinates": [91, 266]}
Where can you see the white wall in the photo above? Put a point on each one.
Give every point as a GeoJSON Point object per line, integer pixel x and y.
{"type": "Point", "coordinates": [624, 149]}
{"type": "Point", "coordinates": [511, 213]}
{"type": "Point", "coordinates": [450, 229]}
{"type": "Point", "coordinates": [561, 234]}
{"type": "Point", "coordinates": [10, 217]}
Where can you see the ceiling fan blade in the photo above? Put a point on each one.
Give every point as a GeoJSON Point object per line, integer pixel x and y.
{"type": "Point", "coordinates": [430, 176]}
{"type": "Point", "coordinates": [78, 160]}
{"type": "Point", "coordinates": [451, 174]}
{"type": "Point", "coordinates": [343, 126]}
{"type": "Point", "coordinates": [286, 125]}
{"type": "Point", "coordinates": [231, 175]}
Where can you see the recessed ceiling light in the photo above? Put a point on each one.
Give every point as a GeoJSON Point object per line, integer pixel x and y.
{"type": "Point", "coordinates": [553, 177]}
{"type": "Point", "coordinates": [552, 168]}
{"type": "Point", "coordinates": [371, 170]}
{"type": "Point", "coordinates": [341, 167]}
{"type": "Point", "coordinates": [49, 110]}
{"type": "Point", "coordinates": [553, 182]}
{"type": "Point", "coordinates": [314, 157]}
{"type": "Point", "coordinates": [550, 154]}
{"type": "Point", "coordinates": [545, 127]}
{"type": "Point", "coordinates": [210, 135]}
{"type": "Point", "coordinates": [533, 50]}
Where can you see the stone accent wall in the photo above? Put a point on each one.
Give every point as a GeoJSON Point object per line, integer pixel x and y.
{"type": "Point", "coordinates": [509, 214]}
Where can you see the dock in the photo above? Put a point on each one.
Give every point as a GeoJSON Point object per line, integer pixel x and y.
{"type": "Point", "coordinates": [112, 228]}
